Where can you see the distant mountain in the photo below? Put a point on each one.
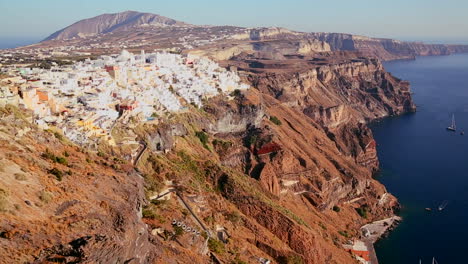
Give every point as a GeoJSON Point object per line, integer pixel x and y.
{"type": "Point", "coordinates": [111, 23]}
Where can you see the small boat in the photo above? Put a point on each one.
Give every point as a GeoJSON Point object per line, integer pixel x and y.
{"type": "Point", "coordinates": [428, 209]}
{"type": "Point", "coordinates": [453, 126]}
{"type": "Point", "coordinates": [442, 205]}
{"type": "Point", "coordinates": [462, 133]}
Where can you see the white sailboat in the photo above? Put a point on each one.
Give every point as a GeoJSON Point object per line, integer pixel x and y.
{"type": "Point", "coordinates": [453, 126]}
{"type": "Point", "coordinates": [442, 205]}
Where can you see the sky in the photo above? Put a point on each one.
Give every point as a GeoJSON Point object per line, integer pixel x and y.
{"type": "Point", "coordinates": [444, 21]}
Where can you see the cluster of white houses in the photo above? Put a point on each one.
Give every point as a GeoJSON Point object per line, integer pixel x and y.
{"type": "Point", "coordinates": [87, 98]}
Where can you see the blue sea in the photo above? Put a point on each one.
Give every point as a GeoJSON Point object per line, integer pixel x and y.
{"type": "Point", "coordinates": [8, 43]}
{"type": "Point", "coordinates": [424, 165]}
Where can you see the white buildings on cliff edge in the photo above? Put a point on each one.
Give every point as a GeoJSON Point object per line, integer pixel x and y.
{"type": "Point", "coordinates": [86, 98]}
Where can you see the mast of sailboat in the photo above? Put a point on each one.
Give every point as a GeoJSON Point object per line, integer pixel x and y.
{"type": "Point", "coordinates": [453, 121]}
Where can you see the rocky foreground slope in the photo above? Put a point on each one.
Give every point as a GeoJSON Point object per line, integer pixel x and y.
{"type": "Point", "coordinates": [282, 171]}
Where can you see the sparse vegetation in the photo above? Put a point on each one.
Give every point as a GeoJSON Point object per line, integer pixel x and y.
{"type": "Point", "coordinates": [203, 137]}
{"type": "Point", "coordinates": [275, 120]}
{"type": "Point", "coordinates": [58, 136]}
{"type": "Point", "coordinates": [178, 232]}
{"type": "Point", "coordinates": [344, 233]}
{"type": "Point", "coordinates": [216, 246]}
{"type": "Point", "coordinates": [45, 196]}
{"type": "Point", "coordinates": [57, 159]}
{"type": "Point", "coordinates": [148, 212]}
{"type": "Point", "coordinates": [252, 140]}
{"type": "Point", "coordinates": [234, 217]}
{"type": "Point", "coordinates": [290, 260]}
{"type": "Point", "coordinates": [221, 145]}
{"type": "Point", "coordinates": [20, 176]}
{"type": "Point", "coordinates": [57, 173]}
{"type": "Point", "coordinates": [12, 110]}
{"type": "Point", "coordinates": [362, 211]}
{"type": "Point", "coordinates": [236, 93]}
{"type": "Point", "coordinates": [209, 220]}
{"type": "Point", "coordinates": [3, 200]}
{"type": "Point", "coordinates": [322, 225]}
{"type": "Point", "coordinates": [336, 208]}
{"type": "Point", "coordinates": [152, 183]}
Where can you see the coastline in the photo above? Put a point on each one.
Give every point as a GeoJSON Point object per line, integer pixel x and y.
{"type": "Point", "coordinates": [363, 248]}
{"type": "Point", "coordinates": [375, 231]}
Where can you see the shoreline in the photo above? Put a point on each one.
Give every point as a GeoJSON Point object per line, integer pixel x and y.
{"type": "Point", "coordinates": [374, 231]}
{"type": "Point", "coordinates": [363, 247]}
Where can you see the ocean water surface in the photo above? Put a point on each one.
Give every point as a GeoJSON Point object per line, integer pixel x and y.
{"type": "Point", "coordinates": [424, 165]}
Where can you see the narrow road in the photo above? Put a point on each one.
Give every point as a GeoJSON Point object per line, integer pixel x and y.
{"type": "Point", "coordinates": [138, 156]}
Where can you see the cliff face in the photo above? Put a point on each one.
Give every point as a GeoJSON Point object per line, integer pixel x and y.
{"type": "Point", "coordinates": [59, 203]}
{"type": "Point", "coordinates": [277, 172]}
{"type": "Point", "coordinates": [386, 49]}
{"type": "Point", "coordinates": [282, 171]}
{"type": "Point", "coordinates": [341, 93]}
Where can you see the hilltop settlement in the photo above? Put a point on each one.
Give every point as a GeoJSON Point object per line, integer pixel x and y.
{"type": "Point", "coordinates": [86, 98]}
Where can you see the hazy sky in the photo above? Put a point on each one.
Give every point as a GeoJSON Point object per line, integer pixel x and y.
{"type": "Point", "coordinates": [427, 20]}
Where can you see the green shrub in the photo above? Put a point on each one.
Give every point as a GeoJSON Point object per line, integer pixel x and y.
{"type": "Point", "coordinates": [336, 209]}
{"type": "Point", "coordinates": [362, 211]}
{"type": "Point", "coordinates": [57, 173]}
{"type": "Point", "coordinates": [149, 213]}
{"type": "Point", "coordinates": [203, 137]}
{"type": "Point", "coordinates": [178, 231]}
{"type": "Point", "coordinates": [275, 120]}
{"type": "Point", "coordinates": [61, 160]}
{"type": "Point", "coordinates": [236, 93]}
{"type": "Point", "coordinates": [252, 140]}
{"type": "Point", "coordinates": [343, 233]}
{"type": "Point", "coordinates": [49, 155]}
{"type": "Point", "coordinates": [58, 136]}
{"type": "Point", "coordinates": [209, 219]}
{"type": "Point", "coordinates": [216, 246]}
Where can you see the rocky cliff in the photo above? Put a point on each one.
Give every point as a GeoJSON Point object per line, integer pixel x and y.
{"type": "Point", "coordinates": [386, 49]}
{"type": "Point", "coordinates": [282, 171]}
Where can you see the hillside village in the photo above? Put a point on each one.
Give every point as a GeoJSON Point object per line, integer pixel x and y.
{"type": "Point", "coordinates": [86, 99]}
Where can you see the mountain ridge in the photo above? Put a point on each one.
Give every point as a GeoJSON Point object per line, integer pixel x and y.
{"type": "Point", "coordinates": [107, 23]}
